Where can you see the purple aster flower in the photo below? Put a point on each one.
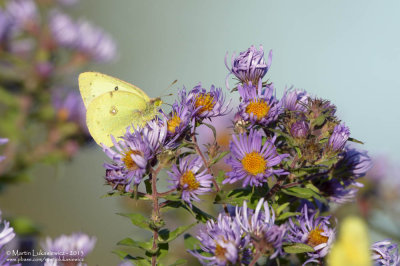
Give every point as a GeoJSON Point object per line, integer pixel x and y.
{"type": "Point", "coordinates": [224, 241]}
{"type": "Point", "coordinates": [204, 104]}
{"type": "Point", "coordinates": [178, 120]}
{"type": "Point", "coordinates": [316, 232]}
{"type": "Point", "coordinates": [339, 193]}
{"type": "Point", "coordinates": [63, 29]}
{"type": "Point", "coordinates": [249, 66]}
{"type": "Point", "coordinates": [70, 107]}
{"type": "Point", "coordinates": [252, 161]}
{"type": "Point", "coordinates": [268, 236]}
{"type": "Point", "coordinates": [81, 243]}
{"type": "Point", "coordinates": [155, 132]}
{"type": "Point", "coordinates": [95, 42]}
{"type": "Point", "coordinates": [295, 100]}
{"type": "Point", "coordinates": [130, 160]}
{"type": "Point", "coordinates": [354, 164]}
{"type": "Point", "coordinates": [23, 12]}
{"type": "Point", "coordinates": [299, 129]}
{"type": "Point", "coordinates": [259, 105]}
{"type": "Point", "coordinates": [385, 253]}
{"type": "Point", "coordinates": [2, 142]}
{"type": "Point", "coordinates": [339, 137]}
{"type": "Point", "coordinates": [188, 178]}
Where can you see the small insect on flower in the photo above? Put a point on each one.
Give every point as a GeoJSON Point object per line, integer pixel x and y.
{"type": "Point", "coordinates": [249, 66]}
{"type": "Point", "coordinates": [224, 242]}
{"type": "Point", "coordinates": [316, 232]}
{"type": "Point", "coordinates": [259, 105]}
{"type": "Point", "coordinates": [188, 178]}
{"type": "Point", "coordinates": [252, 161]}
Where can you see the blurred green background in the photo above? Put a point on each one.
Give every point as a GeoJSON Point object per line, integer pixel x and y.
{"type": "Point", "coordinates": [345, 51]}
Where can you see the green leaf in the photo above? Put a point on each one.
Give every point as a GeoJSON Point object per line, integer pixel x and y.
{"type": "Point", "coordinates": [166, 236]}
{"type": "Point", "coordinates": [220, 177]}
{"type": "Point", "coordinates": [319, 121]}
{"type": "Point", "coordinates": [147, 246]}
{"type": "Point", "coordinates": [299, 192]}
{"type": "Point", "coordinates": [196, 212]}
{"type": "Point", "coordinates": [280, 208]}
{"type": "Point", "coordinates": [138, 219]}
{"type": "Point", "coordinates": [286, 215]}
{"type": "Point", "coordinates": [191, 242]}
{"type": "Point", "coordinates": [298, 152]}
{"type": "Point", "coordinates": [219, 157]}
{"type": "Point", "coordinates": [179, 262]}
{"type": "Point", "coordinates": [147, 184]}
{"type": "Point", "coordinates": [115, 194]}
{"type": "Point", "coordinates": [212, 129]}
{"type": "Point", "coordinates": [298, 248]}
{"type": "Point", "coordinates": [126, 256]}
{"type": "Point", "coordinates": [163, 250]}
{"type": "Point", "coordinates": [355, 140]}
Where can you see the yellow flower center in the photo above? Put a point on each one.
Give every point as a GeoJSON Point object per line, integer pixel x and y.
{"type": "Point", "coordinates": [128, 161]}
{"type": "Point", "coordinates": [205, 102]}
{"type": "Point", "coordinates": [315, 238]}
{"type": "Point", "coordinates": [220, 252]}
{"type": "Point", "coordinates": [63, 114]}
{"type": "Point", "coordinates": [189, 179]}
{"type": "Point", "coordinates": [259, 108]}
{"type": "Point", "coordinates": [254, 163]}
{"type": "Point", "coordinates": [173, 123]}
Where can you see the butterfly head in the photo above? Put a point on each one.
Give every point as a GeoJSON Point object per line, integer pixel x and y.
{"type": "Point", "coordinates": [157, 102]}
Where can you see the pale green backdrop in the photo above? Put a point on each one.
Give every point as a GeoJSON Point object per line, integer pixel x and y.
{"type": "Point", "coordinates": [346, 51]}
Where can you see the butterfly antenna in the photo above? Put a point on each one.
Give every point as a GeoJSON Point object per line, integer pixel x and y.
{"type": "Point", "coordinates": [170, 85]}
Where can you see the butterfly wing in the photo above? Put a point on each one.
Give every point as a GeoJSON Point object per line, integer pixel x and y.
{"type": "Point", "coordinates": [112, 112]}
{"type": "Point", "coordinates": [94, 84]}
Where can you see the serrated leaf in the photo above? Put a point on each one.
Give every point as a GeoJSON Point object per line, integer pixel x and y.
{"type": "Point", "coordinates": [147, 246]}
{"type": "Point", "coordinates": [138, 219]}
{"type": "Point", "coordinates": [286, 215]}
{"type": "Point", "coordinates": [166, 236]}
{"type": "Point", "coordinates": [298, 248]}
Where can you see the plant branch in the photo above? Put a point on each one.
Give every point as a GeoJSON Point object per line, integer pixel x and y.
{"type": "Point", "coordinates": [156, 211]}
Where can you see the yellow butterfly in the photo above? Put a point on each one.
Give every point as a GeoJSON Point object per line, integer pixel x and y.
{"type": "Point", "coordinates": [112, 105]}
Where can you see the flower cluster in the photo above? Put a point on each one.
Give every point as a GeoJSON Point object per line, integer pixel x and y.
{"type": "Point", "coordinates": [288, 159]}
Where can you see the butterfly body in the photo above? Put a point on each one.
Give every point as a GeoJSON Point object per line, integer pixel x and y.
{"type": "Point", "coordinates": [113, 105]}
